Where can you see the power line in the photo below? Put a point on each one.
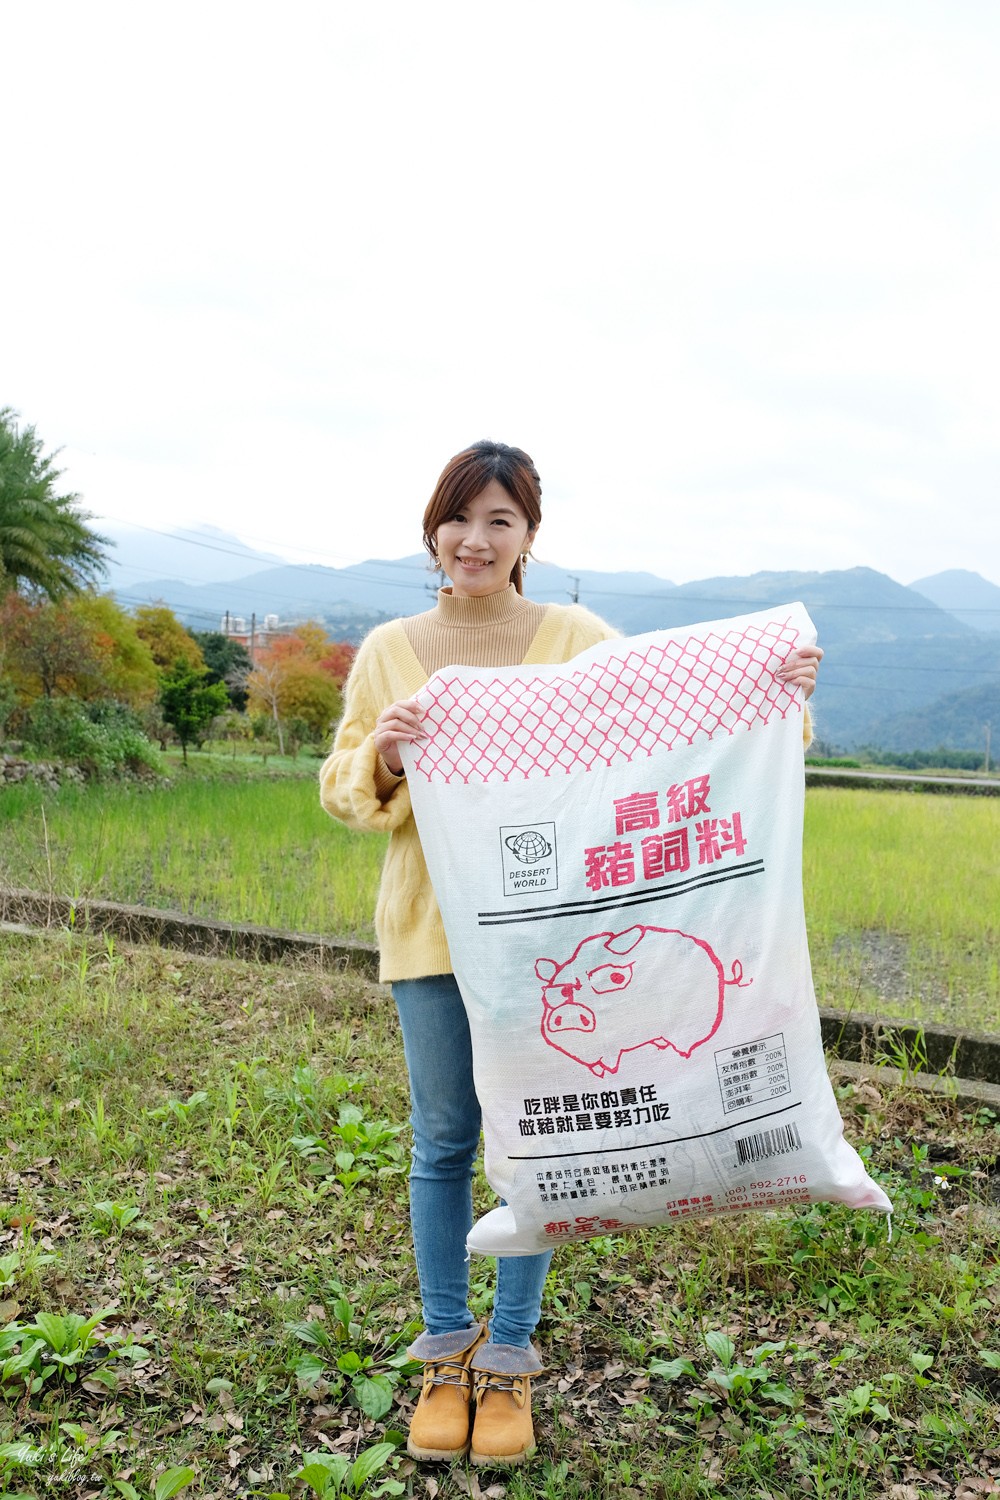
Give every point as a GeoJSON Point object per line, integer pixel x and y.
{"type": "Point", "coordinates": [270, 594]}
{"type": "Point", "coordinates": [191, 541]}
{"type": "Point", "coordinates": [681, 598]}
{"type": "Point", "coordinates": [137, 600]}
{"type": "Point", "coordinates": [954, 670]}
{"type": "Point", "coordinates": [667, 594]}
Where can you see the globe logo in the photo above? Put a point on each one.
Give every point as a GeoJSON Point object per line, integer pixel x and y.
{"type": "Point", "coordinates": [528, 847]}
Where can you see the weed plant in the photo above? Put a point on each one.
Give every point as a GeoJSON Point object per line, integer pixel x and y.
{"type": "Point", "coordinates": [206, 1282]}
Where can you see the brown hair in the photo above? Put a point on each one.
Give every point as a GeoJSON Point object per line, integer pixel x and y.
{"type": "Point", "coordinates": [467, 474]}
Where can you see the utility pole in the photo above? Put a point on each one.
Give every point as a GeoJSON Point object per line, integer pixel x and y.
{"type": "Point", "coordinates": [227, 622]}
{"type": "Point", "coordinates": [253, 637]}
{"type": "Point", "coordinates": [987, 727]}
{"type": "Point", "coordinates": [574, 593]}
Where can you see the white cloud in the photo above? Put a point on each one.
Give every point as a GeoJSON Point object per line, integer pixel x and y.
{"type": "Point", "coordinates": [728, 272]}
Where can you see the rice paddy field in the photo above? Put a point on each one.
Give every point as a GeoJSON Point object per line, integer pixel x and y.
{"type": "Point", "coordinates": [902, 890]}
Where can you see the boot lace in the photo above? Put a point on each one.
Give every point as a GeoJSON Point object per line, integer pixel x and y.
{"type": "Point", "coordinates": [444, 1372]}
{"type": "Point", "coordinates": [492, 1380]}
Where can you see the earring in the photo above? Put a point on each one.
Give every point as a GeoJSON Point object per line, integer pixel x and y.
{"type": "Point", "coordinates": [524, 562]}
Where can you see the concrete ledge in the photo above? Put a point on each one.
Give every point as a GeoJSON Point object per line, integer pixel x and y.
{"type": "Point", "coordinates": [174, 929]}
{"type": "Point", "coordinates": [927, 1049]}
{"type": "Point", "coordinates": [899, 781]}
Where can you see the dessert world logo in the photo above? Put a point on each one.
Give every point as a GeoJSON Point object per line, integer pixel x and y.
{"type": "Point", "coordinates": [528, 856]}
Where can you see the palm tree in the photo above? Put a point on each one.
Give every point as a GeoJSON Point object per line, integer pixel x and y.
{"type": "Point", "coordinates": [45, 542]}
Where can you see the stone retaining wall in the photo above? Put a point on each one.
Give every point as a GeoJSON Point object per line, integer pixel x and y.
{"type": "Point", "coordinates": [48, 773]}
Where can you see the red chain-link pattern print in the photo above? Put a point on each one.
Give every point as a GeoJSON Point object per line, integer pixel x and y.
{"type": "Point", "coordinates": [672, 693]}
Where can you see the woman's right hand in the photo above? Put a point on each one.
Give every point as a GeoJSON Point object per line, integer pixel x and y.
{"type": "Point", "coordinates": [400, 721]}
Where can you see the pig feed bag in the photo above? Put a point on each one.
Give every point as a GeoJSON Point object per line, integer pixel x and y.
{"type": "Point", "coordinates": [615, 845]}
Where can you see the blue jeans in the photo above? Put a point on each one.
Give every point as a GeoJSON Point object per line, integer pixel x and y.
{"type": "Point", "coordinates": [446, 1119]}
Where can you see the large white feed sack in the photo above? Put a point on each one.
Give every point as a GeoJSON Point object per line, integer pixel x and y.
{"type": "Point", "coordinates": [615, 844]}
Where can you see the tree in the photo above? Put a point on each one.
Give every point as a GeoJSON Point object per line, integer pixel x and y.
{"type": "Point", "coordinates": [308, 695]}
{"type": "Point", "coordinates": [167, 638]}
{"type": "Point", "coordinates": [307, 642]}
{"type": "Point", "coordinates": [82, 647]}
{"type": "Point", "coordinates": [293, 687]}
{"type": "Point", "coordinates": [8, 703]}
{"type": "Point", "coordinates": [338, 659]}
{"type": "Point", "coordinates": [125, 669]}
{"type": "Point", "coordinates": [264, 686]}
{"type": "Point", "coordinates": [47, 648]}
{"type": "Point", "coordinates": [227, 661]}
{"type": "Point", "coordinates": [190, 702]}
{"type": "Point", "coordinates": [309, 639]}
{"type": "Point", "coordinates": [234, 727]}
{"type": "Point", "coordinates": [45, 542]}
{"type": "Point", "coordinates": [291, 679]}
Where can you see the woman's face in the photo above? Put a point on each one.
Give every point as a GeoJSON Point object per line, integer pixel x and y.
{"type": "Point", "coordinates": [479, 546]}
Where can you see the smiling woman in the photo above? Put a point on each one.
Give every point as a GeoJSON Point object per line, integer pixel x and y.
{"type": "Point", "coordinates": [482, 517]}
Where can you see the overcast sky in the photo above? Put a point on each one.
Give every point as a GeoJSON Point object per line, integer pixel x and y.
{"type": "Point", "coordinates": [729, 271]}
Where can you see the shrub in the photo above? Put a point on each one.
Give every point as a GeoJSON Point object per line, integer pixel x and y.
{"type": "Point", "coordinates": [102, 738]}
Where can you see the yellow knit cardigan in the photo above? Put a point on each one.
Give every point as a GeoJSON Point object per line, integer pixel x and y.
{"type": "Point", "coordinates": [358, 788]}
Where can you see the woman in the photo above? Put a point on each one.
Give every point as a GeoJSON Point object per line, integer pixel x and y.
{"type": "Point", "coordinates": [479, 526]}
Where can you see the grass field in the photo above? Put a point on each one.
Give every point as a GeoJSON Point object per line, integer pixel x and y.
{"type": "Point", "coordinates": [902, 896]}
{"type": "Point", "coordinates": [255, 849]}
{"type": "Point", "coordinates": [902, 891]}
{"type": "Point", "coordinates": [205, 1156]}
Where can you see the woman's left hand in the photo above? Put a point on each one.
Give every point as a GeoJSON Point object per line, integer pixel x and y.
{"type": "Point", "coordinates": [799, 669]}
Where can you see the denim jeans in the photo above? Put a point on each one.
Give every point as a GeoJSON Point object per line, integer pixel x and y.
{"type": "Point", "coordinates": [446, 1118]}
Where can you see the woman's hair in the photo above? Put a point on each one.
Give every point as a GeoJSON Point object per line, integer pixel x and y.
{"type": "Point", "coordinates": [467, 474]}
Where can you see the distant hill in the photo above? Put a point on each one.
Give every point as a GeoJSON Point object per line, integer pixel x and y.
{"type": "Point", "coordinates": [298, 592]}
{"type": "Point", "coordinates": [955, 722]}
{"type": "Point", "coordinates": [375, 590]}
{"type": "Point", "coordinates": [194, 555]}
{"type": "Point", "coordinates": [971, 598]}
{"type": "Point", "coordinates": [889, 650]}
{"type": "Point", "coordinates": [850, 605]}
{"type": "Point", "coordinates": [864, 688]}
{"type": "Point", "coordinates": [893, 653]}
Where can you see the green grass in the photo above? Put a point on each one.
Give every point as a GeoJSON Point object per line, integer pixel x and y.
{"type": "Point", "coordinates": [902, 892]}
{"type": "Point", "coordinates": [207, 1152]}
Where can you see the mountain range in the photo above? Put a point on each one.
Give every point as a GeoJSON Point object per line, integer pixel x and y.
{"type": "Point", "coordinates": [907, 667]}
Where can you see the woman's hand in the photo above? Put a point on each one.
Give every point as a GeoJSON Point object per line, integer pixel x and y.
{"type": "Point", "coordinates": [400, 721]}
{"type": "Point", "coordinates": [799, 669]}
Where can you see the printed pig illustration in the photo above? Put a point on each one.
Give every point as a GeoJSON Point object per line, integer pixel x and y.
{"type": "Point", "coordinates": [645, 987]}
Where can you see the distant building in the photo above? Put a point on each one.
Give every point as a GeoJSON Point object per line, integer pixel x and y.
{"type": "Point", "coordinates": [258, 633]}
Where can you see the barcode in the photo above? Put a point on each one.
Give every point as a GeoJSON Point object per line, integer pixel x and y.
{"type": "Point", "coordinates": [768, 1143]}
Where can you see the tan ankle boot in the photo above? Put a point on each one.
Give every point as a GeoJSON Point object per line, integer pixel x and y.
{"type": "Point", "coordinates": [440, 1426]}
{"type": "Point", "coordinates": [502, 1433]}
